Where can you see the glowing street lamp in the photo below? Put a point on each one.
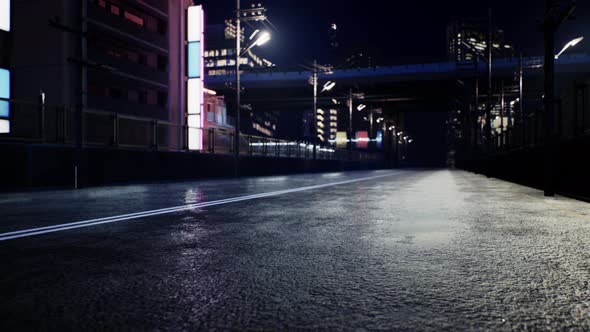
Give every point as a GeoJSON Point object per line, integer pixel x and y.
{"type": "Point", "coordinates": [361, 107]}
{"type": "Point", "coordinates": [257, 38]}
{"type": "Point", "coordinates": [328, 86]}
{"type": "Point", "coordinates": [572, 43]}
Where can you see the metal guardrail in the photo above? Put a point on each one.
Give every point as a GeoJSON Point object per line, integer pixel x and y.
{"type": "Point", "coordinates": [47, 124]}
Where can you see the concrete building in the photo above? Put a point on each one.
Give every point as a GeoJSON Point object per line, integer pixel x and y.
{"type": "Point", "coordinates": [122, 57]}
{"type": "Point", "coordinates": [327, 124]}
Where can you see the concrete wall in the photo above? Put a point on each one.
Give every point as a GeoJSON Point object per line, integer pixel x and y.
{"type": "Point", "coordinates": [525, 166]}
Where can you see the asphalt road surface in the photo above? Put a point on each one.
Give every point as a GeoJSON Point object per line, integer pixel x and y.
{"type": "Point", "coordinates": [379, 250]}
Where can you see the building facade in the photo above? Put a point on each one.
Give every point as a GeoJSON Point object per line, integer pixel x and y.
{"type": "Point", "coordinates": [124, 63]}
{"type": "Point", "coordinates": [468, 38]}
{"type": "Point", "coordinates": [327, 125]}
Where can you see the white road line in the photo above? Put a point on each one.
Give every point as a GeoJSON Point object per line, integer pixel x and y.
{"type": "Point", "coordinates": [137, 215]}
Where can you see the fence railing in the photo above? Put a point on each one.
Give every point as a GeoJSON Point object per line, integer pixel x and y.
{"type": "Point", "coordinates": [29, 122]}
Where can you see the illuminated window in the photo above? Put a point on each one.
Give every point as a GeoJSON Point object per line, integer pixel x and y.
{"type": "Point", "coordinates": [133, 18]}
{"type": "Point", "coordinates": [115, 10]}
{"type": "Point", "coordinates": [5, 15]}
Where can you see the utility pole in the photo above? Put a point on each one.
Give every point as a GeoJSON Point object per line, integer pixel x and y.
{"type": "Point", "coordinates": [502, 113]}
{"type": "Point", "coordinates": [488, 124]}
{"type": "Point", "coordinates": [477, 112]}
{"type": "Point", "coordinates": [315, 108]}
{"type": "Point", "coordinates": [83, 95]}
{"type": "Point", "coordinates": [555, 13]}
{"type": "Point", "coordinates": [350, 119]}
{"type": "Point", "coordinates": [238, 103]}
{"type": "Point", "coordinates": [521, 99]}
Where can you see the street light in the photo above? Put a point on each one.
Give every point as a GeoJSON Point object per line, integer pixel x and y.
{"type": "Point", "coordinates": [571, 43]}
{"type": "Point", "coordinates": [260, 38]}
{"type": "Point", "coordinates": [328, 86]}
{"type": "Point", "coordinates": [335, 101]}
{"type": "Point", "coordinates": [361, 107]}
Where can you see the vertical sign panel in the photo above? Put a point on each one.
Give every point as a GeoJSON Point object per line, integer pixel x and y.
{"type": "Point", "coordinates": [4, 104]}
{"type": "Point", "coordinates": [194, 60]}
{"type": "Point", "coordinates": [195, 24]}
{"type": "Point", "coordinates": [194, 90]}
{"type": "Point", "coordinates": [5, 15]}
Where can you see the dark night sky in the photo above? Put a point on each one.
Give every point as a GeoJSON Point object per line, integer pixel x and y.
{"type": "Point", "coordinates": [394, 32]}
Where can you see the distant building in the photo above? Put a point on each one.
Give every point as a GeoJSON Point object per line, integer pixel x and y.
{"type": "Point", "coordinates": [220, 57]}
{"type": "Point", "coordinates": [468, 37]}
{"type": "Point", "coordinates": [327, 124]}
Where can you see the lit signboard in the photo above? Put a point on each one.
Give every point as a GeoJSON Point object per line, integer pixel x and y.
{"type": "Point", "coordinates": [194, 89]}
{"type": "Point", "coordinates": [362, 139]}
{"type": "Point", "coordinates": [194, 60]}
{"type": "Point", "coordinates": [341, 139]}
{"type": "Point", "coordinates": [5, 15]}
{"type": "Point", "coordinates": [4, 104]}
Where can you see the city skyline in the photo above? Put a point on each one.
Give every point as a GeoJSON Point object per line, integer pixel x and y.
{"type": "Point", "coordinates": [394, 34]}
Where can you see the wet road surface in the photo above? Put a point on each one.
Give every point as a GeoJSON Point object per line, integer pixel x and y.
{"type": "Point", "coordinates": [379, 250]}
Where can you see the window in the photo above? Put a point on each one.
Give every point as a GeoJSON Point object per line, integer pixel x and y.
{"type": "Point", "coordinates": [115, 10]}
{"type": "Point", "coordinates": [133, 96]}
{"type": "Point", "coordinates": [133, 56]}
{"type": "Point", "coordinates": [162, 26]}
{"type": "Point", "coordinates": [151, 23]}
{"type": "Point", "coordinates": [162, 62]}
{"type": "Point", "coordinates": [162, 99]}
{"type": "Point", "coordinates": [133, 18]}
{"type": "Point", "coordinates": [142, 59]}
{"type": "Point", "coordinates": [115, 93]}
{"type": "Point", "coordinates": [152, 60]}
{"type": "Point", "coordinates": [152, 97]}
{"type": "Point", "coordinates": [142, 96]}
{"type": "Point", "coordinates": [102, 3]}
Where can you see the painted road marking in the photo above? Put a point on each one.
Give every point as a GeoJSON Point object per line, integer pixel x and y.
{"type": "Point", "coordinates": [150, 213]}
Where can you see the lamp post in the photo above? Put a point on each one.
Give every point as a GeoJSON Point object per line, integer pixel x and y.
{"type": "Point", "coordinates": [238, 107]}
{"type": "Point", "coordinates": [554, 16]}
{"type": "Point", "coordinates": [571, 43]}
{"type": "Point", "coordinates": [260, 38]}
